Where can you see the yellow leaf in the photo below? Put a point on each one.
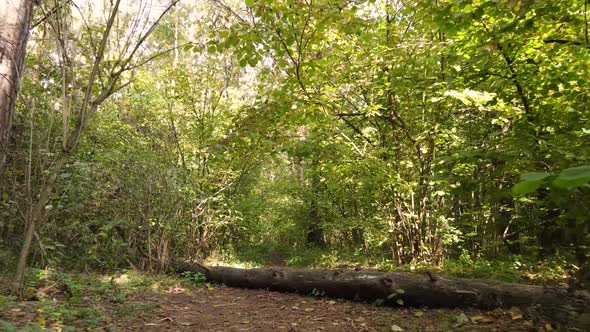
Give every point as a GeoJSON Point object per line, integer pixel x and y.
{"type": "Point", "coordinates": [41, 320]}
{"type": "Point", "coordinates": [548, 327]}
{"type": "Point", "coordinates": [419, 313]}
{"type": "Point", "coordinates": [308, 309]}
{"type": "Point", "coordinates": [360, 319]}
{"type": "Point", "coordinates": [516, 317]}
{"type": "Point", "coordinates": [395, 328]}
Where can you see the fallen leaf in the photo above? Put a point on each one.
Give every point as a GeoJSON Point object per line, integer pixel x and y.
{"type": "Point", "coordinates": [360, 319]}
{"type": "Point", "coordinates": [516, 317]}
{"type": "Point", "coordinates": [309, 309]}
{"type": "Point", "coordinates": [332, 302]}
{"type": "Point", "coordinates": [419, 313]}
{"type": "Point", "coordinates": [548, 327]}
{"type": "Point", "coordinates": [515, 311]}
{"type": "Point", "coordinates": [477, 318]}
{"type": "Point", "coordinates": [395, 328]}
{"type": "Point", "coordinates": [461, 319]}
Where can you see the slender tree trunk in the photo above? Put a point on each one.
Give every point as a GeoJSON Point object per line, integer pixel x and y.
{"type": "Point", "coordinates": [315, 233]}
{"type": "Point", "coordinates": [34, 218]}
{"type": "Point", "coordinates": [15, 22]}
{"type": "Point", "coordinates": [87, 110]}
{"type": "Point", "coordinates": [22, 259]}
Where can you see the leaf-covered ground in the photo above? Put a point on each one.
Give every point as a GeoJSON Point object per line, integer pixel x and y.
{"type": "Point", "coordinates": [132, 302]}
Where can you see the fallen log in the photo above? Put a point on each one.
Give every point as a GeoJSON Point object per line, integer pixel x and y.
{"type": "Point", "coordinates": [409, 289]}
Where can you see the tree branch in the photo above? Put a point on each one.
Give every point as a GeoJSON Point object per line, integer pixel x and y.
{"type": "Point", "coordinates": [567, 42]}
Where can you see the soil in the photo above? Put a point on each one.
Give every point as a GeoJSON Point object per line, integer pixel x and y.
{"type": "Point", "coordinates": [232, 309]}
{"type": "Point", "coordinates": [221, 308]}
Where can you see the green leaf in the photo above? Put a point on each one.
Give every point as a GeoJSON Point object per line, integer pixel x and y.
{"type": "Point", "coordinates": [526, 187]}
{"type": "Point", "coordinates": [249, 3]}
{"type": "Point", "coordinates": [253, 61]}
{"type": "Point", "coordinates": [530, 182]}
{"type": "Point", "coordinates": [400, 301]}
{"type": "Point", "coordinates": [573, 177]}
{"type": "Point", "coordinates": [534, 176]}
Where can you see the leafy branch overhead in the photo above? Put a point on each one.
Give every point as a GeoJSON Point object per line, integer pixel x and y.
{"type": "Point", "coordinates": [340, 134]}
{"type": "Point", "coordinates": [569, 178]}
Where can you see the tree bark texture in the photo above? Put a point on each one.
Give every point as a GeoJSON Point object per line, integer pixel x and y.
{"type": "Point", "coordinates": [15, 22]}
{"type": "Point", "coordinates": [414, 290]}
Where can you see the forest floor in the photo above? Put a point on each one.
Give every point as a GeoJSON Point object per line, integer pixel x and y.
{"type": "Point", "coordinates": [120, 304]}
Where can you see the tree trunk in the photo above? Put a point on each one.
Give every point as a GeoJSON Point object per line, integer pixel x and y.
{"type": "Point", "coordinates": [315, 233]}
{"type": "Point", "coordinates": [408, 289]}
{"type": "Point", "coordinates": [15, 22]}
{"type": "Point", "coordinates": [34, 218]}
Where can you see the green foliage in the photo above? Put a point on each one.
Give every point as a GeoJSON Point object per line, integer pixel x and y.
{"type": "Point", "coordinates": [320, 134]}
{"type": "Point", "coordinates": [569, 178]}
{"type": "Point", "coordinates": [530, 182]}
{"type": "Point", "coordinates": [317, 293]}
{"type": "Point", "coordinates": [573, 177]}
{"type": "Point", "coordinates": [67, 315]}
{"type": "Point", "coordinates": [72, 288]}
{"type": "Point", "coordinates": [194, 279]}
{"type": "Point", "coordinates": [396, 296]}
{"type": "Point", "coordinates": [36, 277]}
{"type": "Point", "coordinates": [31, 327]}
{"type": "Point", "coordinates": [6, 301]}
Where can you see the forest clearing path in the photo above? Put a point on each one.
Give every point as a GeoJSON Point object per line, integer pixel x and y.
{"type": "Point", "coordinates": [222, 308]}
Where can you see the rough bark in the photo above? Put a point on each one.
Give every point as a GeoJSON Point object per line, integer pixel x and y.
{"type": "Point", "coordinates": [15, 22]}
{"type": "Point", "coordinates": [418, 290]}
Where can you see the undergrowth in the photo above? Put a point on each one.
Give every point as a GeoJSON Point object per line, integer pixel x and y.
{"type": "Point", "coordinates": [70, 302]}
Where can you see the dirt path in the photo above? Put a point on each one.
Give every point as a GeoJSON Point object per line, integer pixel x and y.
{"type": "Point", "coordinates": [221, 308]}
{"type": "Point", "coordinates": [231, 309]}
